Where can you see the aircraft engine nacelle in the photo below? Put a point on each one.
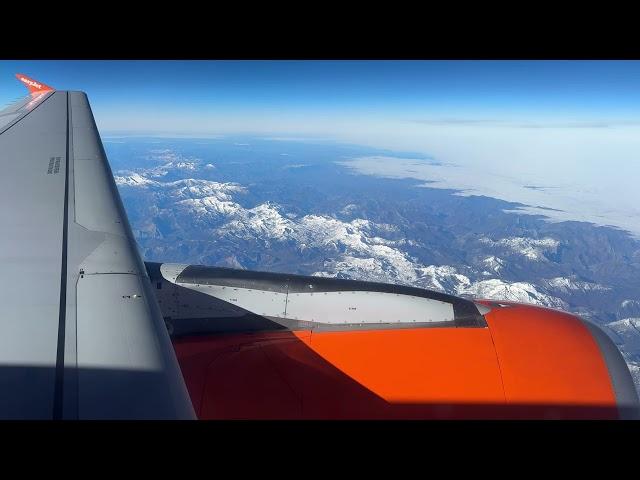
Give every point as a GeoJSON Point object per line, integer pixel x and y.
{"type": "Point", "coordinates": [255, 345]}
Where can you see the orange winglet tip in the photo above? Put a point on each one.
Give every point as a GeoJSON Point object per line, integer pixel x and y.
{"type": "Point", "coordinates": [33, 85]}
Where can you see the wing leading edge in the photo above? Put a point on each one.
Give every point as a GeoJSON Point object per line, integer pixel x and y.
{"type": "Point", "coordinates": [83, 336]}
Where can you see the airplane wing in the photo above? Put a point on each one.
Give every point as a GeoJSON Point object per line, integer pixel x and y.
{"type": "Point", "coordinates": [84, 331]}
{"type": "Point", "coordinates": [82, 336]}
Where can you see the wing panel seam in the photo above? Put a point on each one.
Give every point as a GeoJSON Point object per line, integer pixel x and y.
{"type": "Point", "coordinates": [59, 379]}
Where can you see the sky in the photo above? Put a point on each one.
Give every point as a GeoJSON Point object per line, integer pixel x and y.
{"type": "Point", "coordinates": [139, 95]}
{"type": "Point", "coordinates": [569, 127]}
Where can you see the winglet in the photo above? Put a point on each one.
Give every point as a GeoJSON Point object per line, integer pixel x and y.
{"type": "Point", "coordinates": [33, 85]}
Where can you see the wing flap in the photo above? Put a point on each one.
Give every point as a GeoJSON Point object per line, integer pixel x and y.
{"type": "Point", "coordinates": [116, 352]}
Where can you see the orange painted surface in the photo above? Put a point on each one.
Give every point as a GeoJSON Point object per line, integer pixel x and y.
{"type": "Point", "coordinates": [443, 365]}
{"type": "Point", "coordinates": [548, 357]}
{"type": "Point", "coordinates": [34, 86]}
{"type": "Point", "coordinates": [413, 373]}
{"type": "Point", "coordinates": [531, 363]}
{"type": "Point", "coordinates": [211, 379]}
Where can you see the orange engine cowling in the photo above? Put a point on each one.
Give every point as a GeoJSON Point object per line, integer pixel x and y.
{"type": "Point", "coordinates": [527, 363]}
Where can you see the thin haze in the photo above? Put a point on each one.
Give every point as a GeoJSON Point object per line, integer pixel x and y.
{"type": "Point", "coordinates": [557, 134]}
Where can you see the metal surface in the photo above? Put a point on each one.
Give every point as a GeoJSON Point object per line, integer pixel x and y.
{"type": "Point", "coordinates": [466, 313]}
{"type": "Point", "coordinates": [14, 112]}
{"type": "Point", "coordinates": [82, 335]}
{"type": "Point", "coordinates": [199, 300]}
{"type": "Point", "coordinates": [623, 386]}
{"type": "Point", "coordinates": [119, 362]}
{"type": "Point", "coordinates": [30, 255]}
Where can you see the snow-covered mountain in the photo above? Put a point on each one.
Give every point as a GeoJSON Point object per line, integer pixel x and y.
{"type": "Point", "coordinates": [133, 180]}
{"type": "Point", "coordinates": [290, 207]}
{"type": "Point", "coordinates": [530, 248]}
{"type": "Point", "coordinates": [356, 249]}
{"type": "Point", "coordinates": [497, 289]}
{"type": "Point", "coordinates": [493, 264]}
{"type": "Point", "coordinates": [564, 284]}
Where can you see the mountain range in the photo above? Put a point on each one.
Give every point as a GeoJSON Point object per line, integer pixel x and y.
{"type": "Point", "coordinates": [296, 207]}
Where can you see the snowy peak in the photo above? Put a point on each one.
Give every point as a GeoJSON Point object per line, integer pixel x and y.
{"type": "Point", "coordinates": [566, 284]}
{"type": "Point", "coordinates": [530, 248]}
{"type": "Point", "coordinates": [493, 264]}
{"type": "Point", "coordinates": [133, 180]}
{"type": "Point", "coordinates": [523, 292]}
{"type": "Point", "coordinates": [358, 249]}
{"type": "Point", "coordinates": [190, 188]}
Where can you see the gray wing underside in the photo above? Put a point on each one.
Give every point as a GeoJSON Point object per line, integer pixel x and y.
{"type": "Point", "coordinates": [82, 335]}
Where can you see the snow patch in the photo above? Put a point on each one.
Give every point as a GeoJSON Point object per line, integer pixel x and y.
{"type": "Point", "coordinates": [565, 285]}
{"type": "Point", "coordinates": [523, 292]}
{"type": "Point", "coordinates": [133, 180]}
{"type": "Point", "coordinates": [531, 248]}
{"type": "Point", "coordinates": [493, 263]}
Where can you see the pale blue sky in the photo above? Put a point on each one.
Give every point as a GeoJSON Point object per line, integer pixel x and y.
{"type": "Point", "coordinates": [573, 125]}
